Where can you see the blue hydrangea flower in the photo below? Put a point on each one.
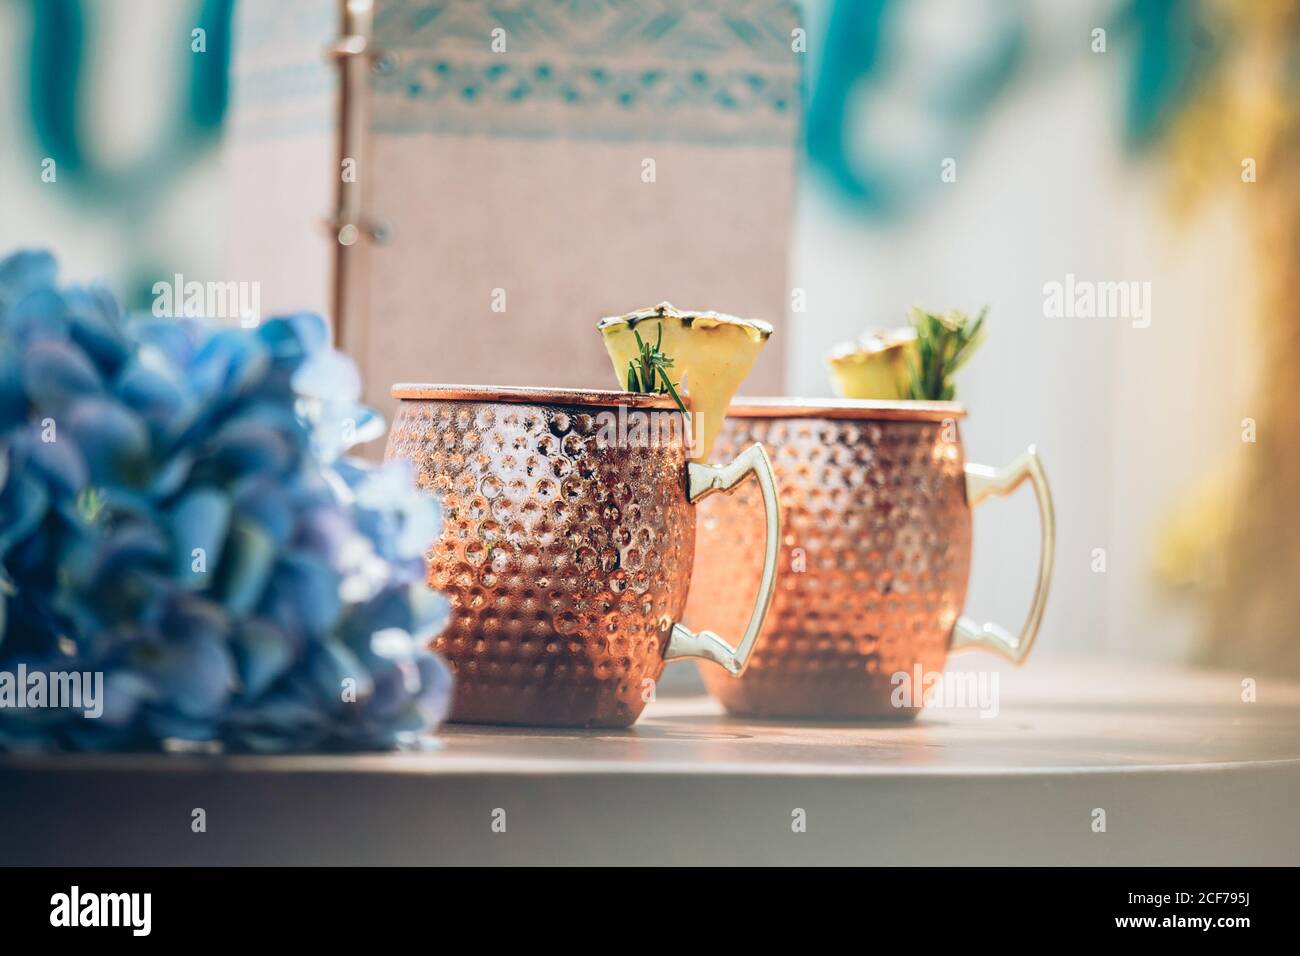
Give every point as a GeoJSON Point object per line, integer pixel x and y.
{"type": "Point", "coordinates": [175, 516]}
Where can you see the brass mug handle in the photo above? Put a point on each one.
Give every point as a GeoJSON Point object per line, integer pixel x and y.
{"type": "Point", "coordinates": [704, 480]}
{"type": "Point", "coordinates": [981, 483]}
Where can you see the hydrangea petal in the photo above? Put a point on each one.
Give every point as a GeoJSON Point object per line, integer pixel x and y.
{"type": "Point", "coordinates": [113, 440]}
{"type": "Point", "coordinates": [263, 653]}
{"type": "Point", "coordinates": [96, 326]}
{"type": "Point", "coordinates": [24, 271]}
{"type": "Point", "coordinates": [57, 373]}
{"type": "Point", "coordinates": [179, 440]}
{"type": "Point", "coordinates": [249, 559]}
{"type": "Point", "coordinates": [200, 522]}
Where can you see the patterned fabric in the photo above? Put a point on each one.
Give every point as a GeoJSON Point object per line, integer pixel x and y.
{"type": "Point", "coordinates": [711, 73]}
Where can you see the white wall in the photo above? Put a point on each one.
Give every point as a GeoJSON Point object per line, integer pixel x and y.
{"type": "Point", "coordinates": [1126, 418]}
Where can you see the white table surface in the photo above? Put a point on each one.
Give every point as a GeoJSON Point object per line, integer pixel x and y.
{"type": "Point", "coordinates": [1185, 770]}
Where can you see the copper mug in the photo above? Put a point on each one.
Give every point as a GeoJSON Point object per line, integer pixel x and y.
{"type": "Point", "coordinates": [876, 502]}
{"type": "Point", "coordinates": [567, 545]}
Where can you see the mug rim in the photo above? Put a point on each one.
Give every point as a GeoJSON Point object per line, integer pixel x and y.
{"type": "Point", "coordinates": [745, 406]}
{"type": "Point", "coordinates": [864, 409]}
{"type": "Point", "coordinates": [529, 395]}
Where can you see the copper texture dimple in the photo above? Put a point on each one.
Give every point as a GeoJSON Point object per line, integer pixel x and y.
{"type": "Point", "coordinates": [566, 559]}
{"type": "Point", "coordinates": [874, 560]}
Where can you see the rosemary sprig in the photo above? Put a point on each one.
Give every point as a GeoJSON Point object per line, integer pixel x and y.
{"type": "Point", "coordinates": [943, 344]}
{"type": "Point", "coordinates": [648, 372]}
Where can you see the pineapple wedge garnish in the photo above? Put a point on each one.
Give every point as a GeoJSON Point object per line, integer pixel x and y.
{"type": "Point", "coordinates": [876, 366]}
{"type": "Point", "coordinates": [711, 355]}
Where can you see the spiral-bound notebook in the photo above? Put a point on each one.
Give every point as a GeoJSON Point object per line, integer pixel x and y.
{"type": "Point", "coordinates": [534, 166]}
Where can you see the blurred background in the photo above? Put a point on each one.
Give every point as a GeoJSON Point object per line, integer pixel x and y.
{"type": "Point", "coordinates": [858, 158]}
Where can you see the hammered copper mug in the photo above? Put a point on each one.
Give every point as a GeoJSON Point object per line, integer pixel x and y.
{"type": "Point", "coordinates": [876, 502]}
{"type": "Point", "coordinates": [567, 546]}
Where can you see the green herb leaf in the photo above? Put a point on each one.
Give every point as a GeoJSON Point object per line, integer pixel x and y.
{"type": "Point", "coordinates": [944, 343]}
{"type": "Point", "coordinates": [649, 367]}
